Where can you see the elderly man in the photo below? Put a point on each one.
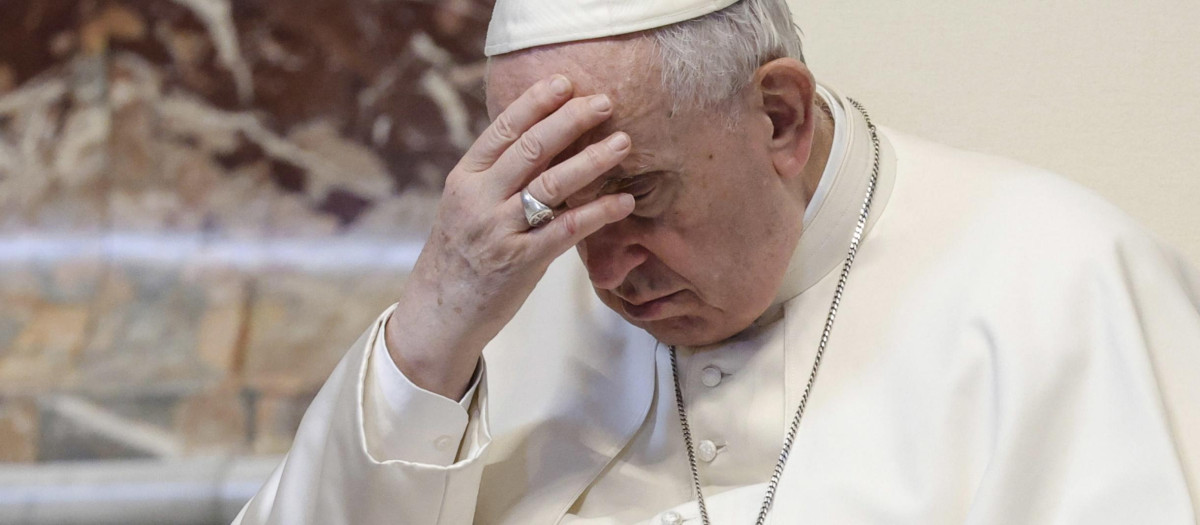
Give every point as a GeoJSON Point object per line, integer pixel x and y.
{"type": "Point", "coordinates": [779, 313]}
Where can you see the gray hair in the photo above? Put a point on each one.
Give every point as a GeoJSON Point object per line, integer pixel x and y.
{"type": "Point", "coordinates": [707, 61]}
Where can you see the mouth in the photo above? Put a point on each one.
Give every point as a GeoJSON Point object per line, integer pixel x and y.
{"type": "Point", "coordinates": [650, 310]}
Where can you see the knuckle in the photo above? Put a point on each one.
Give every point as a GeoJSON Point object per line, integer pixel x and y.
{"type": "Point", "coordinates": [574, 108]}
{"type": "Point", "coordinates": [544, 95]}
{"type": "Point", "coordinates": [551, 187]}
{"type": "Point", "coordinates": [529, 148]}
{"type": "Point", "coordinates": [570, 224]}
{"type": "Point", "coordinates": [596, 154]}
{"type": "Point", "coordinates": [504, 128]}
{"type": "Point", "coordinates": [580, 114]}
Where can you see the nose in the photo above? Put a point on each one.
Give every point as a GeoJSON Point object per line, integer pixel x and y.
{"type": "Point", "coordinates": [610, 254]}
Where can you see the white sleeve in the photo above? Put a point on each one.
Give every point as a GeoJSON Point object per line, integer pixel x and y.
{"type": "Point", "coordinates": [344, 468]}
{"type": "Point", "coordinates": [391, 399]}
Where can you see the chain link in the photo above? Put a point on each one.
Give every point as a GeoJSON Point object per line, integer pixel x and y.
{"type": "Point", "coordinates": [790, 438]}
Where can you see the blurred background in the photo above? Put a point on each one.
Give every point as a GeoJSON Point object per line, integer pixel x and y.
{"type": "Point", "coordinates": [204, 202]}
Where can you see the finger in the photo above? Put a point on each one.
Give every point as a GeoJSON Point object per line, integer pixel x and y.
{"type": "Point", "coordinates": [574, 174]}
{"type": "Point", "coordinates": [546, 139]}
{"type": "Point", "coordinates": [540, 100]}
{"type": "Point", "coordinates": [571, 227]}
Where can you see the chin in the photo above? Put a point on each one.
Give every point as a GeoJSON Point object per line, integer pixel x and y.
{"type": "Point", "coordinates": [689, 330]}
{"type": "Point", "coordinates": [681, 320]}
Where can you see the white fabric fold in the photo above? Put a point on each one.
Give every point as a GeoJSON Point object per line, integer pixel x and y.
{"type": "Point", "coordinates": [391, 399]}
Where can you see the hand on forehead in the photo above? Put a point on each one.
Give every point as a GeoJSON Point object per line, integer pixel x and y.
{"type": "Point", "coordinates": [620, 67]}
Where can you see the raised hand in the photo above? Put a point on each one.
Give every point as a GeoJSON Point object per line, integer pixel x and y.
{"type": "Point", "coordinates": [483, 258]}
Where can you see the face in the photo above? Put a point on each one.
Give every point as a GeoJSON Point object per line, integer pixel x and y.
{"type": "Point", "coordinates": [704, 252]}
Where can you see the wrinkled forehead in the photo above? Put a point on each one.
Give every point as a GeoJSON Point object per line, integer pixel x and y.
{"type": "Point", "coordinates": [622, 68]}
{"type": "Point", "coordinates": [619, 67]}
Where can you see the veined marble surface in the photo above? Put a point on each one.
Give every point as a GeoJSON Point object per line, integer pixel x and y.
{"type": "Point", "coordinates": [203, 202]}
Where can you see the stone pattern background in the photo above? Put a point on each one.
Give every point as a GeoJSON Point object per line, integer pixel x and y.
{"type": "Point", "coordinates": [204, 202]}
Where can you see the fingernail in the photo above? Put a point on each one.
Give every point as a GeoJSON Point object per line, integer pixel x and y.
{"type": "Point", "coordinates": [601, 103]}
{"type": "Point", "coordinates": [627, 200]}
{"type": "Point", "coordinates": [560, 85]}
{"type": "Point", "coordinates": [619, 141]}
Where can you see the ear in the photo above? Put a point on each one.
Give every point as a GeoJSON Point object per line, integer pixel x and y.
{"type": "Point", "coordinates": [786, 90]}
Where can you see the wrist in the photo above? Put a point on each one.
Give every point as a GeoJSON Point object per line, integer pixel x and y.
{"type": "Point", "coordinates": [426, 357]}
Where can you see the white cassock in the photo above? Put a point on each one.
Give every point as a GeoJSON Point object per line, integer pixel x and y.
{"type": "Point", "coordinates": [1010, 349]}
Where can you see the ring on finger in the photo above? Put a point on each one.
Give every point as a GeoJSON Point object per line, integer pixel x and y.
{"type": "Point", "coordinates": [537, 213]}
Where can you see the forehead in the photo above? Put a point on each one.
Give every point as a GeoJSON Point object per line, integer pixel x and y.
{"type": "Point", "coordinates": [619, 67]}
{"type": "Point", "coordinates": [622, 68]}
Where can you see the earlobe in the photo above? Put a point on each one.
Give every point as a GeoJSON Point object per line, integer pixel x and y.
{"type": "Point", "coordinates": [787, 92]}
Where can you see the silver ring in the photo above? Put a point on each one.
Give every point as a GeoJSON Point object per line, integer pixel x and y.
{"type": "Point", "coordinates": [536, 212]}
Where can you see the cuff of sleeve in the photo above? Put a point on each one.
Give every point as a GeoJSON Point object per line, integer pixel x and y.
{"type": "Point", "coordinates": [406, 422]}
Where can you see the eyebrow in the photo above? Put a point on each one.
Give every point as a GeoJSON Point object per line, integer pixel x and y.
{"type": "Point", "coordinates": [619, 174]}
{"type": "Point", "coordinates": [642, 166]}
{"type": "Point", "coordinates": [615, 180]}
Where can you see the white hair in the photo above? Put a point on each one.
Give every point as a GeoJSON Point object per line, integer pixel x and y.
{"type": "Point", "coordinates": [708, 60]}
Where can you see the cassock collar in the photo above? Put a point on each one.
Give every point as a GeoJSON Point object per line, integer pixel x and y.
{"type": "Point", "coordinates": [833, 213]}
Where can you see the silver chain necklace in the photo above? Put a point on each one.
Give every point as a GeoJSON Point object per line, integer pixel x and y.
{"type": "Point", "coordinates": [790, 438]}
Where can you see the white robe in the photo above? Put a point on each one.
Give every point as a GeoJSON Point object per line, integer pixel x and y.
{"type": "Point", "coordinates": [1010, 349]}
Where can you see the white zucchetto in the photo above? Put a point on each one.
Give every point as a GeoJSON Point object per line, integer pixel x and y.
{"type": "Point", "coordinates": [522, 24]}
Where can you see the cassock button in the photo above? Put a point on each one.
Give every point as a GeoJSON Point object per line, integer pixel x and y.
{"type": "Point", "coordinates": [706, 451]}
{"type": "Point", "coordinates": [671, 518]}
{"type": "Point", "coordinates": [710, 376]}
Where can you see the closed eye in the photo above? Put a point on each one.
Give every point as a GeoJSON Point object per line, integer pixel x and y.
{"type": "Point", "coordinates": [650, 190]}
{"type": "Point", "coordinates": [640, 186]}
{"type": "Point", "coordinates": [640, 191]}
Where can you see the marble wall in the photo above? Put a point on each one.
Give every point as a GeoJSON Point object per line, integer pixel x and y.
{"type": "Point", "coordinates": [204, 202]}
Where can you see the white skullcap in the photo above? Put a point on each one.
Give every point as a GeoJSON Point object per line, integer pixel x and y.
{"type": "Point", "coordinates": [521, 24]}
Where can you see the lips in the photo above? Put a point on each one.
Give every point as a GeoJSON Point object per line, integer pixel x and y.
{"type": "Point", "coordinates": [647, 310]}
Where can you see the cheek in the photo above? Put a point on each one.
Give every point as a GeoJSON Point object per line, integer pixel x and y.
{"type": "Point", "coordinates": [712, 255]}
{"type": "Point", "coordinates": [732, 234]}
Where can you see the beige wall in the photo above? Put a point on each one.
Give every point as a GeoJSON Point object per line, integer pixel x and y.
{"type": "Point", "coordinates": [1106, 93]}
